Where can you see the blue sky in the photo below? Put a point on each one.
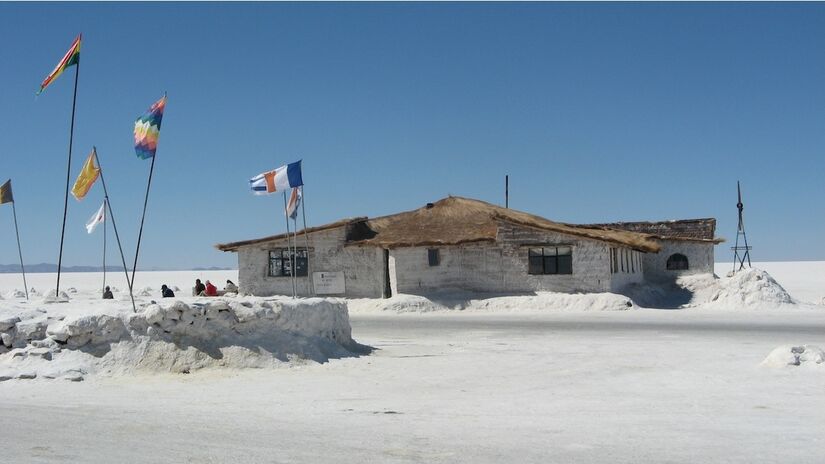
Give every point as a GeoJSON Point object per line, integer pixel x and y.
{"type": "Point", "coordinates": [598, 112]}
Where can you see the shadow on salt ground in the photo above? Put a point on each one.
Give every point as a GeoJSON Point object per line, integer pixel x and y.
{"type": "Point", "coordinates": [460, 299]}
{"type": "Point", "coordinates": [666, 295]}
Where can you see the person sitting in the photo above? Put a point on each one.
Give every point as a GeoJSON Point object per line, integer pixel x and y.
{"type": "Point", "coordinates": [107, 294]}
{"type": "Point", "coordinates": [166, 291]}
{"type": "Point", "coordinates": [199, 288]}
{"type": "Point", "coordinates": [211, 290]}
{"type": "Point", "coordinates": [230, 287]}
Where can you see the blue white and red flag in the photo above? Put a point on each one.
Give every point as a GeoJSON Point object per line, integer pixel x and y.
{"type": "Point", "coordinates": [279, 180]}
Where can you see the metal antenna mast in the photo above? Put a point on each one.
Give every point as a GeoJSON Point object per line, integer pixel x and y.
{"type": "Point", "coordinates": [740, 253]}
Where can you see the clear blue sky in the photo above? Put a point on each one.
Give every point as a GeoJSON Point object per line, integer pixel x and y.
{"type": "Point", "coordinates": [599, 112]}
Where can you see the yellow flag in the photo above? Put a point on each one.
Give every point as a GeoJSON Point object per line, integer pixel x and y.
{"type": "Point", "coordinates": [88, 176]}
{"type": "Point", "coordinates": [5, 193]}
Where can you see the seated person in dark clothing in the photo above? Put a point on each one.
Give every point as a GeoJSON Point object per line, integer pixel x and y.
{"type": "Point", "coordinates": [199, 287]}
{"type": "Point", "coordinates": [107, 294]}
{"type": "Point", "coordinates": [166, 291]}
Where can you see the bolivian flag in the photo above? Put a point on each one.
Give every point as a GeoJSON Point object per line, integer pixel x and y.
{"type": "Point", "coordinates": [71, 58]}
{"type": "Point", "coordinates": [88, 176]}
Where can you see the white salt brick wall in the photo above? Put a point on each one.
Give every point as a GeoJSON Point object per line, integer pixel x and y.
{"type": "Point", "coordinates": [362, 266]}
{"type": "Point", "coordinates": [502, 266]}
{"type": "Point", "coordinates": [591, 271]}
{"type": "Point", "coordinates": [699, 255]}
{"type": "Point", "coordinates": [630, 272]}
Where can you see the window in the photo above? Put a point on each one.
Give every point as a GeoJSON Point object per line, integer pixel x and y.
{"type": "Point", "coordinates": [280, 262]}
{"type": "Point", "coordinates": [614, 260]}
{"type": "Point", "coordinates": [550, 260]}
{"type": "Point", "coordinates": [677, 262]}
{"type": "Point", "coordinates": [433, 257]}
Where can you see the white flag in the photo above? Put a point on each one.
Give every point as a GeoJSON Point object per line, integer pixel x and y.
{"type": "Point", "coordinates": [99, 216]}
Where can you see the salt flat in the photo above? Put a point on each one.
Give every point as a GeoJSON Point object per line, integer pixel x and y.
{"type": "Point", "coordinates": [590, 387]}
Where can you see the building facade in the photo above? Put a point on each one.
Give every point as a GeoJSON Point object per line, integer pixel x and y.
{"type": "Point", "coordinates": [687, 247]}
{"type": "Point", "coordinates": [454, 244]}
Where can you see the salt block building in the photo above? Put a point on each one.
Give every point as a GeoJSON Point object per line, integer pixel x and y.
{"type": "Point", "coordinates": [687, 246]}
{"type": "Point", "coordinates": [469, 245]}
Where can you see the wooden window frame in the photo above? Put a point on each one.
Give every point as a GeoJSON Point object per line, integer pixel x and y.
{"type": "Point", "coordinates": [549, 263]}
{"type": "Point", "coordinates": [279, 258]}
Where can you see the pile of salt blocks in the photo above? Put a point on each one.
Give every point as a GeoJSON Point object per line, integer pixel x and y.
{"type": "Point", "coordinates": [43, 338]}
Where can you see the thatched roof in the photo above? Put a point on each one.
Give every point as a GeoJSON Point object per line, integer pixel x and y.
{"type": "Point", "coordinates": [233, 246]}
{"type": "Point", "coordinates": [695, 230]}
{"type": "Point", "coordinates": [456, 220]}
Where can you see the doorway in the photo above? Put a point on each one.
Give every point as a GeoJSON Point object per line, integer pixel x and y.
{"type": "Point", "coordinates": [387, 286]}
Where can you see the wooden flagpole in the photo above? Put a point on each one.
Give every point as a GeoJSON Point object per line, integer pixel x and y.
{"type": "Point", "coordinates": [289, 249]}
{"type": "Point", "coordinates": [142, 218]}
{"type": "Point", "coordinates": [68, 178]}
{"type": "Point", "coordinates": [306, 241]}
{"type": "Point", "coordinates": [19, 250]}
{"type": "Point", "coordinates": [114, 226]}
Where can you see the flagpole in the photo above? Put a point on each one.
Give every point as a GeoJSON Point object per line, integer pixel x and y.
{"type": "Point", "coordinates": [19, 250]}
{"type": "Point", "coordinates": [105, 226]}
{"type": "Point", "coordinates": [295, 261]}
{"type": "Point", "coordinates": [114, 226]}
{"type": "Point", "coordinates": [306, 241]}
{"type": "Point", "coordinates": [143, 216]}
{"type": "Point", "coordinates": [68, 176]}
{"type": "Point", "coordinates": [289, 249]}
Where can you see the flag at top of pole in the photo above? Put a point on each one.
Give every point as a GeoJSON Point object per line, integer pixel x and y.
{"type": "Point", "coordinates": [6, 195]}
{"type": "Point", "coordinates": [71, 58]}
{"type": "Point", "coordinates": [281, 179]}
{"type": "Point", "coordinates": [87, 177]}
{"type": "Point", "coordinates": [147, 130]}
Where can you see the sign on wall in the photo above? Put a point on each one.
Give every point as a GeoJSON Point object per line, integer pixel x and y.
{"type": "Point", "coordinates": [328, 283]}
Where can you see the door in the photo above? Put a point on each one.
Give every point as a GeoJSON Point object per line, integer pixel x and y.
{"type": "Point", "coordinates": [387, 286]}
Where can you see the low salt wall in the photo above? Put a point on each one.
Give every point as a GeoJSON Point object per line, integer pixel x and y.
{"type": "Point", "coordinates": [174, 337]}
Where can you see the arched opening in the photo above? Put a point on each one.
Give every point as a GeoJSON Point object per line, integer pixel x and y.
{"type": "Point", "coordinates": [677, 262]}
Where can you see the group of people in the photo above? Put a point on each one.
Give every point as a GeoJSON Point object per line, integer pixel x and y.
{"type": "Point", "coordinates": [209, 289]}
{"type": "Point", "coordinates": [200, 290]}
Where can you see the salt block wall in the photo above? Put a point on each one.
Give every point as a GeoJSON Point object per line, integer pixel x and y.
{"type": "Point", "coordinates": [591, 261]}
{"type": "Point", "coordinates": [483, 267]}
{"type": "Point", "coordinates": [501, 266]}
{"type": "Point", "coordinates": [699, 255]}
{"type": "Point", "coordinates": [362, 266]}
{"type": "Point", "coordinates": [632, 273]}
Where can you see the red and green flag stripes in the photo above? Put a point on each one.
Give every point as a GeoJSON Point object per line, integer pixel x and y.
{"type": "Point", "coordinates": [71, 58]}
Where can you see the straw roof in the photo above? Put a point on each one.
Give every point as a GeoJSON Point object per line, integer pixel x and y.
{"type": "Point", "coordinates": [457, 220]}
{"type": "Point", "coordinates": [694, 230]}
{"type": "Point", "coordinates": [233, 246]}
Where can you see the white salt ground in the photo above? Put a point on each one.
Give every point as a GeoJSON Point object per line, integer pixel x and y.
{"type": "Point", "coordinates": [473, 386]}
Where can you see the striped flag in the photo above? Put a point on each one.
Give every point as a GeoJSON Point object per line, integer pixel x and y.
{"type": "Point", "coordinates": [99, 217]}
{"type": "Point", "coordinates": [147, 130]}
{"type": "Point", "coordinates": [71, 58]}
{"type": "Point", "coordinates": [294, 202]}
{"type": "Point", "coordinates": [278, 180]}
